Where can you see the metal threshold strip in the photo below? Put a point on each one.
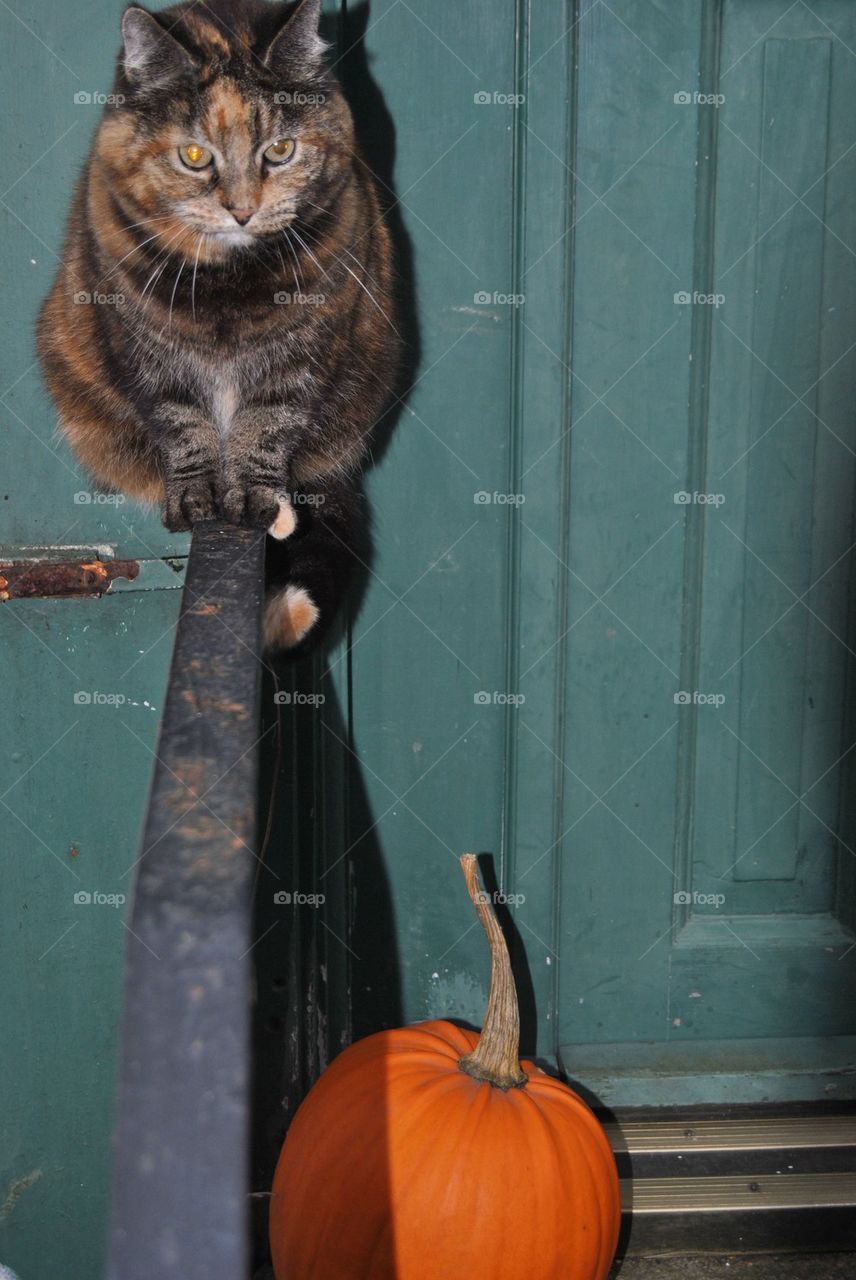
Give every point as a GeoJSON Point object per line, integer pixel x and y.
{"type": "Point", "coordinates": [741, 1181]}
{"type": "Point", "coordinates": [758, 1134]}
{"type": "Point", "coordinates": [737, 1194]}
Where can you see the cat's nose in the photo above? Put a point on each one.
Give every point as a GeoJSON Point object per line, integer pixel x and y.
{"type": "Point", "coordinates": [242, 216]}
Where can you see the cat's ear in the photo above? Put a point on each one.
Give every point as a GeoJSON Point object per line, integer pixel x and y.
{"type": "Point", "coordinates": [151, 57]}
{"type": "Point", "coordinates": [297, 47]}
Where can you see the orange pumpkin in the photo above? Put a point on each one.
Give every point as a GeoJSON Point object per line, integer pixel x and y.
{"type": "Point", "coordinates": [429, 1152]}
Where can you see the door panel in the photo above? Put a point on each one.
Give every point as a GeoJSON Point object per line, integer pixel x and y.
{"type": "Point", "coordinates": [741, 931]}
{"type": "Point", "coordinates": [669, 600]}
{"type": "Point", "coordinates": [84, 684]}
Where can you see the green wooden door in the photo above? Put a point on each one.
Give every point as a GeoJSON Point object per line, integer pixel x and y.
{"type": "Point", "coordinates": [537, 599]}
{"type": "Point", "coordinates": [84, 682]}
{"type": "Point", "coordinates": [606, 630]}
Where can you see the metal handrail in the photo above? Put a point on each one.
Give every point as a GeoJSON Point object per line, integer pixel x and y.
{"type": "Point", "coordinates": [180, 1177]}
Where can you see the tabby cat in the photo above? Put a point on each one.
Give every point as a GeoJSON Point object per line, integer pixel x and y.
{"type": "Point", "coordinates": [221, 335]}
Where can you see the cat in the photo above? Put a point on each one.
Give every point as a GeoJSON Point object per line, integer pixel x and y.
{"type": "Point", "coordinates": [238, 337]}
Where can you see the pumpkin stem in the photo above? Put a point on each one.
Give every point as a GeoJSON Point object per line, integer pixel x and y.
{"type": "Point", "coordinates": [495, 1057]}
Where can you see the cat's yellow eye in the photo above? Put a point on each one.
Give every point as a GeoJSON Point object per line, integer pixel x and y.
{"type": "Point", "coordinates": [195, 156]}
{"type": "Point", "coordinates": [280, 151]}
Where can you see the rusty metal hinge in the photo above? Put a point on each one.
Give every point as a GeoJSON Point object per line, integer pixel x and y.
{"type": "Point", "coordinates": [23, 579]}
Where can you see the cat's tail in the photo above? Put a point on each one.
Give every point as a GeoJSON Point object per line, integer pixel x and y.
{"type": "Point", "coordinates": [314, 545]}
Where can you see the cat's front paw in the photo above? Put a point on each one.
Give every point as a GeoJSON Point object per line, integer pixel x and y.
{"type": "Point", "coordinates": [188, 502]}
{"type": "Point", "coordinates": [260, 508]}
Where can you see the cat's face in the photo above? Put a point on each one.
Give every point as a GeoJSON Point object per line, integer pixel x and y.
{"type": "Point", "coordinates": [227, 133]}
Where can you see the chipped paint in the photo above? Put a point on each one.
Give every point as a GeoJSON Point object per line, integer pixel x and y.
{"type": "Point", "coordinates": [457, 996]}
{"type": "Point", "coordinates": [104, 550]}
{"type": "Point", "coordinates": [14, 1191]}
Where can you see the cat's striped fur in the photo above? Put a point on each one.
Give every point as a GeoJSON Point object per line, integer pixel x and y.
{"type": "Point", "coordinates": [223, 340]}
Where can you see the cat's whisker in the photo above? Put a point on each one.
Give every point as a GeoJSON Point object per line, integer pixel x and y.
{"type": "Point", "coordinates": [344, 248]}
{"type": "Point", "coordinates": [372, 299]}
{"type": "Point", "coordinates": [264, 249]}
{"type": "Point", "coordinates": [302, 285]}
{"type": "Point", "coordinates": [136, 247]}
{"type": "Point", "coordinates": [367, 273]}
{"type": "Point", "coordinates": [160, 268]}
{"type": "Point", "coordinates": [305, 247]}
{"type": "Point", "coordinates": [153, 279]}
{"type": "Point", "coordinates": [283, 263]}
{"type": "Point", "coordinates": [147, 222]}
{"type": "Point", "coordinates": [284, 271]}
{"type": "Point", "coordinates": [204, 236]}
{"type": "Point", "coordinates": [174, 287]}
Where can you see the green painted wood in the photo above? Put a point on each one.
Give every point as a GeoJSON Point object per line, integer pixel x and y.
{"type": "Point", "coordinates": [74, 774]}
{"type": "Point", "coordinates": [545, 239]}
{"type": "Point", "coordinates": [432, 631]}
{"type": "Point", "coordinates": [767, 1071]}
{"type": "Point", "coordinates": [671, 886]}
{"type": "Point", "coordinates": [625, 550]}
{"type": "Point", "coordinates": [745, 967]}
{"type": "Point", "coordinates": [83, 691]}
{"type": "Point", "coordinates": [55, 71]}
{"type": "Point", "coordinates": [770, 956]}
{"type": "Point", "coordinates": [787, 322]}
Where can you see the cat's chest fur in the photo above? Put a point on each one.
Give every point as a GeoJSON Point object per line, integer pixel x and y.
{"type": "Point", "coordinates": [215, 383]}
{"type": "Point", "coordinates": [220, 379]}
{"type": "Point", "coordinates": [225, 401]}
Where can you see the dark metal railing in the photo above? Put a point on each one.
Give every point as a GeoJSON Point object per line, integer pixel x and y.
{"type": "Point", "coordinates": [180, 1181]}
